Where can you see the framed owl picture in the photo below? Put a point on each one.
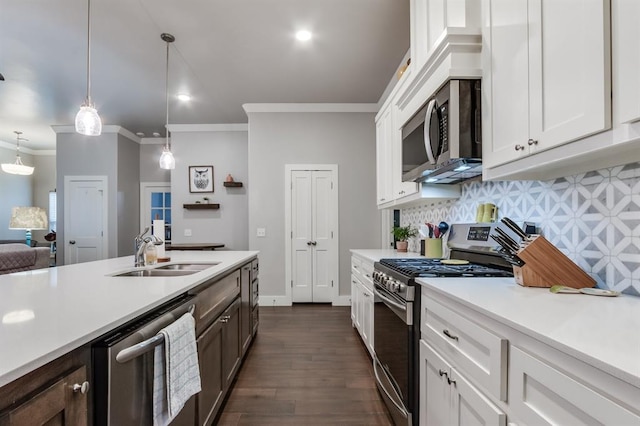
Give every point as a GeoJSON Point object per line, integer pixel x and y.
{"type": "Point", "coordinates": [200, 178]}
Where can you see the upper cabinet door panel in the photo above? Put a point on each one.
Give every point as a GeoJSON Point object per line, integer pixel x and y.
{"type": "Point", "coordinates": [505, 80]}
{"type": "Point", "coordinates": [626, 59]}
{"type": "Point", "coordinates": [569, 70]}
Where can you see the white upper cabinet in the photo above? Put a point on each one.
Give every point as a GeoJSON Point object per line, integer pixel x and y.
{"type": "Point", "coordinates": [384, 161]}
{"type": "Point", "coordinates": [546, 75]}
{"type": "Point", "coordinates": [625, 15]}
{"type": "Point", "coordinates": [433, 20]}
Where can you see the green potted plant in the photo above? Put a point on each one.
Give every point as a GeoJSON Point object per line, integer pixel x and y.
{"type": "Point", "coordinates": [402, 235]}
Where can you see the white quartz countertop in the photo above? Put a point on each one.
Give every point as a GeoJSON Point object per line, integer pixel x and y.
{"type": "Point", "coordinates": [66, 307]}
{"type": "Point", "coordinates": [601, 331]}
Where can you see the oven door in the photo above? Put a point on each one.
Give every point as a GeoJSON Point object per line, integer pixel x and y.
{"type": "Point", "coordinates": [393, 343]}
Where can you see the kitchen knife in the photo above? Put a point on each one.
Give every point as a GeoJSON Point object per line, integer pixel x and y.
{"type": "Point", "coordinates": [512, 243]}
{"type": "Point", "coordinates": [514, 227]}
{"type": "Point", "coordinates": [506, 252]}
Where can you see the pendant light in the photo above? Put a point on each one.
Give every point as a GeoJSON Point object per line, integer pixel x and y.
{"type": "Point", "coordinates": [88, 121]}
{"type": "Point", "coordinates": [166, 159]}
{"type": "Point", "coordinates": [17, 168]}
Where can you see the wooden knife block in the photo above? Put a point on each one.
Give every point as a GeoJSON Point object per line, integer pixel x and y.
{"type": "Point", "coordinates": [546, 266]}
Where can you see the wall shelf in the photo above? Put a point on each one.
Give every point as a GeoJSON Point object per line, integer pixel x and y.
{"type": "Point", "coordinates": [233, 184]}
{"type": "Point", "coordinates": [201, 206]}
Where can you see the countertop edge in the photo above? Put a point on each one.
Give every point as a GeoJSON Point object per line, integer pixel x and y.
{"type": "Point", "coordinates": [545, 339]}
{"type": "Point", "coordinates": [199, 278]}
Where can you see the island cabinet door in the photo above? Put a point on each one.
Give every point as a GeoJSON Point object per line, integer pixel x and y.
{"type": "Point", "coordinates": [210, 359]}
{"type": "Point", "coordinates": [62, 403]}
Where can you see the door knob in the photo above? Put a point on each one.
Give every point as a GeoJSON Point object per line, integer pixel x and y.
{"type": "Point", "coordinates": [519, 148]}
{"type": "Point", "coordinates": [532, 142]}
{"type": "Point", "coordinates": [313, 243]}
{"type": "Point", "coordinates": [72, 242]}
{"type": "Point", "coordinates": [309, 243]}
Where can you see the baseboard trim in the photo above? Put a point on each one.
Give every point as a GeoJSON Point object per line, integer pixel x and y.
{"type": "Point", "coordinates": [265, 300]}
{"type": "Point", "coordinates": [344, 300]}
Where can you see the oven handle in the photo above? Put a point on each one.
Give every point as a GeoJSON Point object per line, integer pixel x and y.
{"type": "Point", "coordinates": [388, 301]}
{"type": "Point", "coordinates": [375, 372]}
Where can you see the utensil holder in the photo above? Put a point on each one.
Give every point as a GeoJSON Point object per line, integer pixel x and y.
{"type": "Point", "coordinates": [546, 266]}
{"type": "Point", "coordinates": [431, 248]}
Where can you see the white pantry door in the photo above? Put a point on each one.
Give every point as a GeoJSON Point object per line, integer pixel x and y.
{"type": "Point", "coordinates": [85, 218]}
{"type": "Point", "coordinates": [313, 218]}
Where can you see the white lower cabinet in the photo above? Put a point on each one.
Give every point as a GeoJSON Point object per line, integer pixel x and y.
{"type": "Point", "coordinates": [466, 357]}
{"type": "Point", "coordinates": [362, 300]}
{"type": "Point", "coordinates": [540, 394]}
{"type": "Point", "coordinates": [447, 398]}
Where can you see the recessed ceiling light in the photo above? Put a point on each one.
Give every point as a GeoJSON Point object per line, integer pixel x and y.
{"type": "Point", "coordinates": [303, 35]}
{"type": "Point", "coordinates": [184, 97]}
{"type": "Point", "coordinates": [156, 134]}
{"type": "Point", "coordinates": [141, 134]}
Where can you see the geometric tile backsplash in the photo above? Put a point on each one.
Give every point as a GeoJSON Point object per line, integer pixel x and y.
{"type": "Point", "coordinates": [593, 218]}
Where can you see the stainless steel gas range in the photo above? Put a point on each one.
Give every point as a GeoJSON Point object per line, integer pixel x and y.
{"type": "Point", "coordinates": [397, 310]}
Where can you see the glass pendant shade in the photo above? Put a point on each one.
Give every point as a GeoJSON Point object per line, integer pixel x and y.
{"type": "Point", "coordinates": [167, 161]}
{"type": "Point", "coordinates": [88, 121]}
{"type": "Point", "coordinates": [17, 168]}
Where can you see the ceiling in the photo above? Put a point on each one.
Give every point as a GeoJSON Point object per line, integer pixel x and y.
{"type": "Point", "coordinates": [226, 53]}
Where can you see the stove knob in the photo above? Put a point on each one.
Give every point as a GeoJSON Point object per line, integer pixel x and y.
{"type": "Point", "coordinates": [401, 288]}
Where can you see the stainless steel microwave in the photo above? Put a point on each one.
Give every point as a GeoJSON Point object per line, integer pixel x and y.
{"type": "Point", "coordinates": [442, 142]}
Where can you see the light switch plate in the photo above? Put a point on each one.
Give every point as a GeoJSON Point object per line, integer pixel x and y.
{"type": "Point", "coordinates": [187, 232]}
{"type": "Point", "coordinates": [261, 232]}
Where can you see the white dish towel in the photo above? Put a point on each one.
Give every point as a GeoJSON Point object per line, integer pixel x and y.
{"type": "Point", "coordinates": [176, 373]}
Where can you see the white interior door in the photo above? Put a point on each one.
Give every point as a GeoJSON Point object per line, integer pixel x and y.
{"type": "Point", "coordinates": [313, 217]}
{"type": "Point", "coordinates": [85, 219]}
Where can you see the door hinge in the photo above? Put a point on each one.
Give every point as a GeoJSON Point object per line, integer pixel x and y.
{"type": "Point", "coordinates": [292, 235]}
{"type": "Point", "coordinates": [291, 283]}
{"type": "Point", "coordinates": [331, 234]}
{"type": "Point", "coordinates": [331, 283]}
{"type": "Point", "coordinates": [331, 185]}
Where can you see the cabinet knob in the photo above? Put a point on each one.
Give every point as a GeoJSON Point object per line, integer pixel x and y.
{"type": "Point", "coordinates": [532, 142]}
{"type": "Point", "coordinates": [451, 382]}
{"type": "Point", "coordinates": [519, 147]}
{"type": "Point", "coordinates": [83, 388]}
{"type": "Point", "coordinates": [442, 373]}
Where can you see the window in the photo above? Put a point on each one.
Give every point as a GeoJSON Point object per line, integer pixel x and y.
{"type": "Point", "coordinates": [161, 210]}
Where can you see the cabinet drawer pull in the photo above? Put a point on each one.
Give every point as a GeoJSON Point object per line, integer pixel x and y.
{"type": "Point", "coordinates": [83, 388]}
{"type": "Point", "coordinates": [449, 335]}
{"type": "Point", "coordinates": [519, 147]}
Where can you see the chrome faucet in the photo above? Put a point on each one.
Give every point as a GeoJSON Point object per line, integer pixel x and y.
{"type": "Point", "coordinates": [141, 243]}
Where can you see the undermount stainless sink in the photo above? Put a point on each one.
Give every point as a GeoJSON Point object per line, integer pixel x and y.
{"type": "Point", "coordinates": [156, 273]}
{"type": "Point", "coordinates": [169, 270]}
{"type": "Point", "coordinates": [186, 266]}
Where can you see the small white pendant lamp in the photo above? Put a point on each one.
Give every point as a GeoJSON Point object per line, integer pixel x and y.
{"type": "Point", "coordinates": [17, 168]}
{"type": "Point", "coordinates": [166, 159]}
{"type": "Point", "coordinates": [88, 121]}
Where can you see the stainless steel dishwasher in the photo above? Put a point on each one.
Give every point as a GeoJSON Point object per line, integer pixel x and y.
{"type": "Point", "coordinates": [123, 369]}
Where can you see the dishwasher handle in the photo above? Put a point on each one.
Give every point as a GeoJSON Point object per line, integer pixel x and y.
{"type": "Point", "coordinates": [143, 347]}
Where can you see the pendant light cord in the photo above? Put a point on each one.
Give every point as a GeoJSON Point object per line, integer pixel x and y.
{"type": "Point", "coordinates": [166, 91]}
{"type": "Point", "coordinates": [89, 52]}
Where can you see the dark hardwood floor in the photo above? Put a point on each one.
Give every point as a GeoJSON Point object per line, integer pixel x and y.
{"type": "Point", "coordinates": [307, 366]}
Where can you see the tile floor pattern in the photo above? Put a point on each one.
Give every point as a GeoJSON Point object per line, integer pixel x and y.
{"type": "Point", "coordinates": [594, 218]}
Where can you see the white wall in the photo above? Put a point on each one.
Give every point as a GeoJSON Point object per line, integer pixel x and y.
{"type": "Point", "coordinates": [226, 151]}
{"type": "Point", "coordinates": [128, 196]}
{"type": "Point", "coordinates": [150, 171]}
{"type": "Point", "coordinates": [44, 181]}
{"type": "Point", "coordinates": [343, 138]}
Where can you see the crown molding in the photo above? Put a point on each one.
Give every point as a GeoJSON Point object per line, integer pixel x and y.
{"type": "Point", "coordinates": [258, 108]}
{"type": "Point", "coordinates": [229, 127]}
{"type": "Point", "coordinates": [105, 129]}
{"type": "Point", "coordinates": [25, 150]}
